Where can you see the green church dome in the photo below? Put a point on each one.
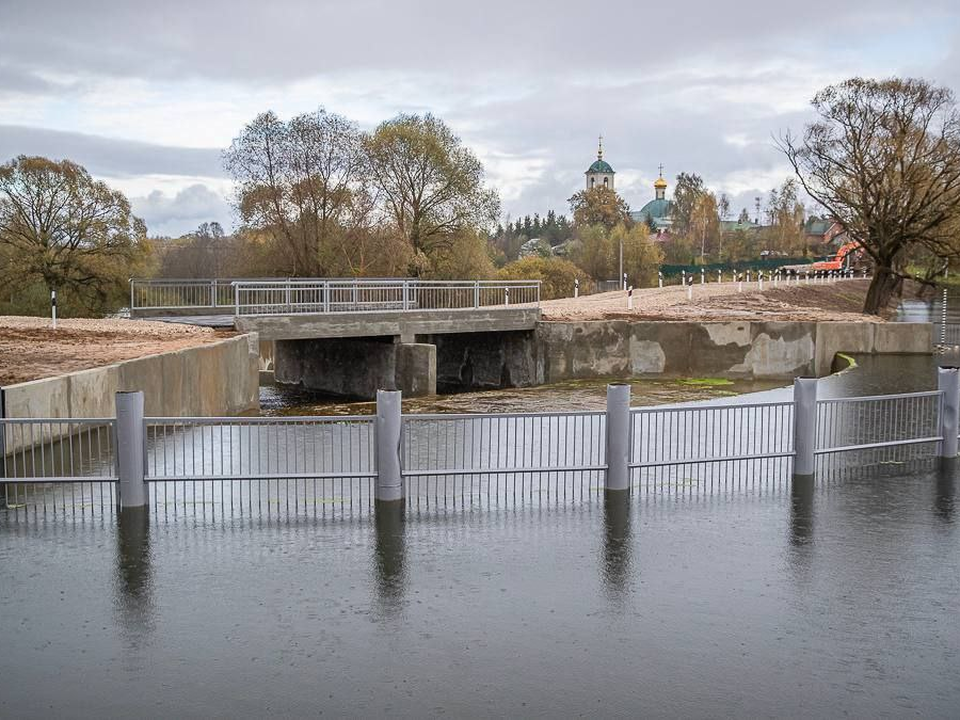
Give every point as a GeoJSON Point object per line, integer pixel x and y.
{"type": "Point", "coordinates": [600, 166]}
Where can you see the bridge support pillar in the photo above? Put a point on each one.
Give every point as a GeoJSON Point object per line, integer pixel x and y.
{"type": "Point", "coordinates": [618, 438]}
{"type": "Point", "coordinates": [948, 382]}
{"type": "Point", "coordinates": [416, 369]}
{"type": "Point", "coordinates": [804, 428]}
{"type": "Point", "coordinates": [389, 486]}
{"type": "Point", "coordinates": [130, 458]}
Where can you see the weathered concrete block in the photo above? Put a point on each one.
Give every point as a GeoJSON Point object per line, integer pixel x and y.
{"type": "Point", "coordinates": [904, 338]}
{"type": "Point", "coordinates": [350, 368]}
{"type": "Point", "coordinates": [191, 401]}
{"type": "Point", "coordinates": [171, 368]}
{"type": "Point", "coordinates": [834, 337]}
{"type": "Point", "coordinates": [47, 398]}
{"type": "Point", "coordinates": [416, 369]}
{"type": "Point", "coordinates": [92, 392]}
{"type": "Point", "coordinates": [144, 374]}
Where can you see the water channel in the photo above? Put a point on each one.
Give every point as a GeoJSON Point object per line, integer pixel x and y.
{"type": "Point", "coordinates": [761, 600]}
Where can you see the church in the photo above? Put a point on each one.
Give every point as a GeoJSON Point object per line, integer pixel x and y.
{"type": "Point", "coordinates": [656, 213]}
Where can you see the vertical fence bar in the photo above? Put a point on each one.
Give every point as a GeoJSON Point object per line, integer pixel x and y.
{"type": "Point", "coordinates": [130, 462]}
{"type": "Point", "coordinates": [804, 427]}
{"type": "Point", "coordinates": [618, 437]}
{"type": "Point", "coordinates": [948, 382]}
{"type": "Point", "coordinates": [388, 428]}
{"type": "Point", "coordinates": [3, 451]}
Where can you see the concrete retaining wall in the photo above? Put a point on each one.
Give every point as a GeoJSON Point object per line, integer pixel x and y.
{"type": "Point", "coordinates": [216, 379]}
{"type": "Point", "coordinates": [774, 350]}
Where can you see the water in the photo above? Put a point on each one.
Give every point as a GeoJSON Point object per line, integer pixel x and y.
{"type": "Point", "coordinates": [840, 601]}
{"type": "Point", "coordinates": [753, 599]}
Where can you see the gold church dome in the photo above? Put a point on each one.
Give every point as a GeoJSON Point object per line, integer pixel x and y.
{"type": "Point", "coordinates": [660, 184]}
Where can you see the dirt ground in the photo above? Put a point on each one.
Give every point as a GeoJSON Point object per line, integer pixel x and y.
{"type": "Point", "coordinates": [837, 301]}
{"type": "Point", "coordinates": [30, 349]}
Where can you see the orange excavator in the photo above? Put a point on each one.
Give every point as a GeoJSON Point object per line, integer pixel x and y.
{"type": "Point", "coordinates": [847, 256]}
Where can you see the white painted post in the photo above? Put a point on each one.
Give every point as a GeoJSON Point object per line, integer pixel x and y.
{"type": "Point", "coordinates": [703, 276]}
{"type": "Point", "coordinates": [660, 278]}
{"type": "Point", "coordinates": [719, 277]}
{"type": "Point", "coordinates": [948, 382]}
{"type": "Point", "coordinates": [576, 288]}
{"type": "Point", "coordinates": [739, 282]}
{"type": "Point", "coordinates": [618, 437]}
{"type": "Point", "coordinates": [748, 277]}
{"type": "Point", "coordinates": [690, 288]}
{"type": "Point", "coordinates": [53, 307]}
{"type": "Point", "coordinates": [760, 280]}
{"type": "Point", "coordinates": [683, 277]}
{"type": "Point", "coordinates": [476, 294]}
{"type": "Point", "coordinates": [506, 296]}
{"type": "Point", "coordinates": [130, 459]}
{"type": "Point", "coordinates": [630, 298]}
{"type": "Point", "coordinates": [388, 429]}
{"type": "Point", "coordinates": [804, 427]}
{"type": "Point", "coordinates": [624, 281]}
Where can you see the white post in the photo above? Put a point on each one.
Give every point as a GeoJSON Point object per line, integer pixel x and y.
{"type": "Point", "coordinates": [388, 428]}
{"type": "Point", "coordinates": [748, 277]}
{"type": "Point", "coordinates": [804, 427]}
{"type": "Point", "coordinates": [130, 462]}
{"type": "Point", "coordinates": [690, 288]}
{"type": "Point", "coordinates": [53, 307]}
{"type": "Point", "coordinates": [760, 280]}
{"type": "Point", "coordinates": [719, 277]}
{"type": "Point", "coordinates": [660, 278]}
{"type": "Point", "coordinates": [618, 437]}
{"type": "Point", "coordinates": [948, 382]}
{"type": "Point", "coordinates": [576, 288]}
{"type": "Point", "coordinates": [630, 298]}
{"type": "Point", "coordinates": [703, 276]}
{"type": "Point", "coordinates": [739, 282]}
{"type": "Point", "coordinates": [506, 296]}
{"type": "Point", "coordinates": [683, 277]}
{"type": "Point", "coordinates": [476, 294]}
{"type": "Point", "coordinates": [624, 281]}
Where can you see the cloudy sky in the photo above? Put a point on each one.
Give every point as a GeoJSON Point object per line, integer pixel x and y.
{"type": "Point", "coordinates": [145, 94]}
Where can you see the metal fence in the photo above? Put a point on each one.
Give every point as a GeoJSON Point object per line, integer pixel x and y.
{"type": "Point", "coordinates": [326, 295]}
{"type": "Point", "coordinates": [328, 466]}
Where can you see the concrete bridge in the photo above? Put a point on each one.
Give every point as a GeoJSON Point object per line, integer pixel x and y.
{"type": "Point", "coordinates": [353, 337]}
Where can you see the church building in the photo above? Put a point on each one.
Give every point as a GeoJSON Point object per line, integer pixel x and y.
{"type": "Point", "coordinates": [658, 210]}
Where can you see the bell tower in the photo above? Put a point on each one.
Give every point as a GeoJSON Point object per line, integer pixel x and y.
{"type": "Point", "coordinates": [600, 174]}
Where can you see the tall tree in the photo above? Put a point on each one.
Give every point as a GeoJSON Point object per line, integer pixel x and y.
{"type": "Point", "coordinates": [884, 160]}
{"type": "Point", "coordinates": [61, 227]}
{"type": "Point", "coordinates": [599, 205]}
{"type": "Point", "coordinates": [704, 223]}
{"type": "Point", "coordinates": [686, 194]}
{"type": "Point", "coordinates": [433, 186]}
{"type": "Point", "coordinates": [296, 181]}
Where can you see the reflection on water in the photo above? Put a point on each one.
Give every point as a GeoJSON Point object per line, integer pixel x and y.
{"type": "Point", "coordinates": [134, 581]}
{"type": "Point", "coordinates": [616, 543]}
{"type": "Point", "coordinates": [389, 556]}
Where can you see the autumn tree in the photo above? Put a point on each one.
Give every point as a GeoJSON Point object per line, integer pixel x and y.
{"type": "Point", "coordinates": [73, 234]}
{"type": "Point", "coordinates": [432, 185]}
{"type": "Point", "coordinates": [785, 217]}
{"type": "Point", "coordinates": [686, 194]}
{"type": "Point", "coordinates": [704, 223]}
{"type": "Point", "coordinates": [884, 160]}
{"type": "Point", "coordinates": [599, 206]}
{"type": "Point", "coordinates": [296, 180]}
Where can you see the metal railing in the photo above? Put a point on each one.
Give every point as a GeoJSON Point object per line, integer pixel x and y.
{"type": "Point", "coordinates": [269, 296]}
{"type": "Point", "coordinates": [337, 296]}
{"type": "Point", "coordinates": [320, 465]}
{"type": "Point", "coordinates": [58, 466]}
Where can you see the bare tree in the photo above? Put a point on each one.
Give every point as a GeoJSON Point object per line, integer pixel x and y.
{"type": "Point", "coordinates": [62, 227]}
{"type": "Point", "coordinates": [296, 181]}
{"type": "Point", "coordinates": [884, 160]}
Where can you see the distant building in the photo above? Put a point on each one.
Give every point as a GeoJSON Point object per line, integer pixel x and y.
{"type": "Point", "coordinates": [600, 174]}
{"type": "Point", "coordinates": [823, 231]}
{"type": "Point", "coordinates": [658, 213]}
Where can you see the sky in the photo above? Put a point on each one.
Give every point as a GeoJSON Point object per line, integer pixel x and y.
{"type": "Point", "coordinates": [146, 94]}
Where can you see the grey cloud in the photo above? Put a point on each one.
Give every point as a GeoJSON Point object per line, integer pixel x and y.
{"type": "Point", "coordinates": [110, 156]}
{"type": "Point", "coordinates": [290, 39]}
{"type": "Point", "coordinates": [182, 213]}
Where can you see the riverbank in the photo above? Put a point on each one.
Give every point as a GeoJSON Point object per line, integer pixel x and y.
{"type": "Point", "coordinates": [30, 349]}
{"type": "Point", "coordinates": [840, 301]}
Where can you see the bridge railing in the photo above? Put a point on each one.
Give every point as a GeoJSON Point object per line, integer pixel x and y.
{"type": "Point", "coordinates": [278, 296]}
{"type": "Point", "coordinates": [337, 296]}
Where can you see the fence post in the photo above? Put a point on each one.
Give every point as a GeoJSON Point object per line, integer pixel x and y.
{"type": "Point", "coordinates": [476, 293]}
{"type": "Point", "coordinates": [388, 429]}
{"type": "Point", "coordinates": [618, 437]}
{"type": "Point", "coordinates": [130, 459]}
{"type": "Point", "coordinates": [213, 293]}
{"type": "Point", "coordinates": [3, 452]}
{"type": "Point", "coordinates": [406, 296]}
{"type": "Point", "coordinates": [948, 382]}
{"type": "Point", "coordinates": [804, 427]}
{"type": "Point", "coordinates": [236, 299]}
